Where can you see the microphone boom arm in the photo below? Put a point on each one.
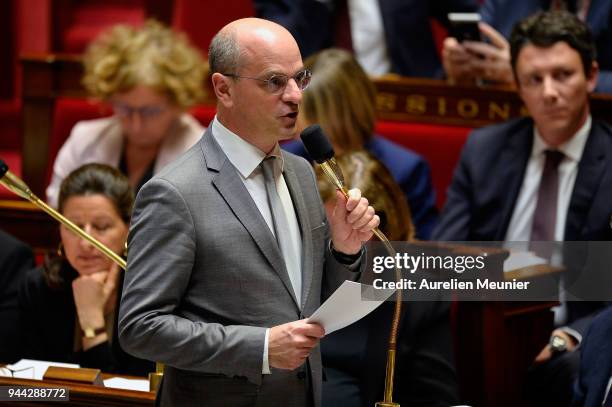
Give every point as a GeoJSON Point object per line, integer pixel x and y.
{"type": "Point", "coordinates": [16, 185]}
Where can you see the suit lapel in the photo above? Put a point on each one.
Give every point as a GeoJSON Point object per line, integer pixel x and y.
{"type": "Point", "coordinates": [513, 162]}
{"type": "Point", "coordinates": [590, 169]}
{"type": "Point", "coordinates": [301, 211]}
{"type": "Point", "coordinates": [233, 191]}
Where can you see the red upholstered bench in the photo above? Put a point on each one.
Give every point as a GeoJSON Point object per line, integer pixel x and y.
{"type": "Point", "coordinates": [439, 145]}
{"type": "Point", "coordinates": [204, 114]}
{"type": "Point", "coordinates": [67, 112]}
{"type": "Point", "coordinates": [12, 158]}
{"type": "Point", "coordinates": [79, 22]}
{"type": "Point", "coordinates": [10, 142]}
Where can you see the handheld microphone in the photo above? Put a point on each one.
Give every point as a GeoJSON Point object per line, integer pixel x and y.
{"type": "Point", "coordinates": [320, 149]}
{"type": "Point", "coordinates": [16, 185]}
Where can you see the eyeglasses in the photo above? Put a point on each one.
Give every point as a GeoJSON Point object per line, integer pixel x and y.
{"type": "Point", "coordinates": [278, 82]}
{"type": "Point", "coordinates": [145, 112]}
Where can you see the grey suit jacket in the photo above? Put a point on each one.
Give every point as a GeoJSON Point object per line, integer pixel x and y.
{"type": "Point", "coordinates": [205, 278]}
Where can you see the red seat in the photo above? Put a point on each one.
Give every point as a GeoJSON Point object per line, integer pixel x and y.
{"type": "Point", "coordinates": [204, 114]}
{"type": "Point", "coordinates": [79, 22]}
{"type": "Point", "coordinates": [67, 112]}
{"type": "Point", "coordinates": [439, 145]}
{"type": "Point", "coordinates": [201, 20]}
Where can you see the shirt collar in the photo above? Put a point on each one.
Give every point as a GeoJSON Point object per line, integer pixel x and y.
{"type": "Point", "coordinates": [242, 154]}
{"type": "Point", "coordinates": [572, 148]}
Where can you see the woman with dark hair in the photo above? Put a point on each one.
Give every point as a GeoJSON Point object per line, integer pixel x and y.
{"type": "Point", "coordinates": [341, 99]}
{"type": "Point", "coordinates": [71, 303]}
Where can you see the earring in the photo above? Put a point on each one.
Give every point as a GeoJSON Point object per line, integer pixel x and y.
{"type": "Point", "coordinates": [60, 249]}
{"type": "Point", "coordinates": [125, 250]}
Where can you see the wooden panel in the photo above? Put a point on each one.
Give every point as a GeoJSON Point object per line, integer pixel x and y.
{"type": "Point", "coordinates": [29, 224]}
{"type": "Point", "coordinates": [436, 102]}
{"type": "Point", "coordinates": [44, 79]}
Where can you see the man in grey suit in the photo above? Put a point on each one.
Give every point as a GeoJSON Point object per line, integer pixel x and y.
{"type": "Point", "coordinates": [230, 250]}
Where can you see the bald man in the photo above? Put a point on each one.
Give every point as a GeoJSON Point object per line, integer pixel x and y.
{"type": "Point", "coordinates": [230, 249]}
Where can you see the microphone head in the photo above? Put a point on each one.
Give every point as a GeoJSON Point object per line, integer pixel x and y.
{"type": "Point", "coordinates": [3, 168]}
{"type": "Point", "coordinates": [317, 144]}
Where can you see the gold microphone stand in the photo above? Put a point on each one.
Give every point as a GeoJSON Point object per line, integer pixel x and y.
{"type": "Point", "coordinates": [333, 173]}
{"type": "Point", "coordinates": [16, 185]}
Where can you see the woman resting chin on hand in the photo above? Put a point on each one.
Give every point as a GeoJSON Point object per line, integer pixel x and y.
{"type": "Point", "coordinates": [71, 304]}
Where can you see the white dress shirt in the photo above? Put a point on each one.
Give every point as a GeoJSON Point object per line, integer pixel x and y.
{"type": "Point", "coordinates": [246, 158]}
{"type": "Point", "coordinates": [368, 36]}
{"type": "Point", "coordinates": [519, 229]}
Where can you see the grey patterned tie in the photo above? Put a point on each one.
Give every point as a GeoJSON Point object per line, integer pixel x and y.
{"type": "Point", "coordinates": [281, 226]}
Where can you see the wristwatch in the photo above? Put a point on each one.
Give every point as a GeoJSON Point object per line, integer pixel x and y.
{"type": "Point", "coordinates": [90, 333]}
{"type": "Point", "coordinates": [558, 344]}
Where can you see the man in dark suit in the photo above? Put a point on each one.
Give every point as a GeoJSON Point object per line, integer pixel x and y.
{"type": "Point", "coordinates": [406, 36]}
{"type": "Point", "coordinates": [15, 260]}
{"type": "Point", "coordinates": [593, 388]}
{"type": "Point", "coordinates": [547, 177]}
{"type": "Point", "coordinates": [230, 250]}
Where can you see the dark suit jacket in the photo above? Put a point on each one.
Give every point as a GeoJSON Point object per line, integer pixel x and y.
{"type": "Point", "coordinates": [206, 278]}
{"type": "Point", "coordinates": [15, 260]}
{"type": "Point", "coordinates": [409, 39]}
{"type": "Point", "coordinates": [503, 14]}
{"type": "Point", "coordinates": [409, 170]}
{"type": "Point", "coordinates": [595, 363]}
{"type": "Point", "coordinates": [50, 319]}
{"type": "Point", "coordinates": [488, 179]}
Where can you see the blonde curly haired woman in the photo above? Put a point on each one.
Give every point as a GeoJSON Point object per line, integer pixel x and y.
{"type": "Point", "coordinates": [149, 76]}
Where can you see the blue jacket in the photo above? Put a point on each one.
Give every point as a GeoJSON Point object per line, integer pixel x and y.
{"type": "Point", "coordinates": [595, 363]}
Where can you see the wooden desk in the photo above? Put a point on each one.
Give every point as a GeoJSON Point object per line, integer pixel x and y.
{"type": "Point", "coordinates": [496, 342]}
{"type": "Point", "coordinates": [85, 395]}
{"type": "Point", "coordinates": [29, 224]}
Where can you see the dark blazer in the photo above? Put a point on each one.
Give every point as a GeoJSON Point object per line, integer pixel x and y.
{"type": "Point", "coordinates": [410, 42]}
{"type": "Point", "coordinates": [50, 318]}
{"type": "Point", "coordinates": [595, 363]}
{"type": "Point", "coordinates": [488, 178]}
{"type": "Point", "coordinates": [409, 170]}
{"type": "Point", "coordinates": [16, 259]}
{"type": "Point", "coordinates": [206, 278]}
{"type": "Point", "coordinates": [503, 14]}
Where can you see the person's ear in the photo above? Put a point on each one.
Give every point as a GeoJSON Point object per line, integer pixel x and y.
{"type": "Point", "coordinates": [592, 77]}
{"type": "Point", "coordinates": [222, 85]}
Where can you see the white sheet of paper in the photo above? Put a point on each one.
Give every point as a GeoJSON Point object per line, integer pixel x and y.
{"type": "Point", "coordinates": [35, 369]}
{"type": "Point", "coordinates": [127, 384]}
{"type": "Point", "coordinates": [346, 306]}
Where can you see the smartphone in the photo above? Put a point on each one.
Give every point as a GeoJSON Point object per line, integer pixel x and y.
{"type": "Point", "coordinates": [464, 26]}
